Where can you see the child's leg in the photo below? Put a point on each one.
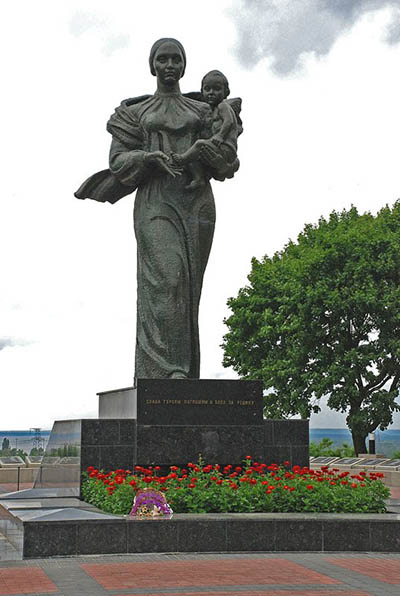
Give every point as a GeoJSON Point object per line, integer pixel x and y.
{"type": "Point", "coordinates": [192, 154]}
{"type": "Point", "coordinates": [198, 176]}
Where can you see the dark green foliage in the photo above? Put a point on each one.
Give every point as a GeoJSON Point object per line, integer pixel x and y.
{"type": "Point", "coordinates": [13, 452]}
{"type": "Point", "coordinates": [36, 451]}
{"type": "Point", "coordinates": [65, 451]}
{"type": "Point", "coordinates": [248, 489]}
{"type": "Point", "coordinates": [5, 444]}
{"type": "Point", "coordinates": [322, 317]}
{"type": "Point", "coordinates": [325, 448]}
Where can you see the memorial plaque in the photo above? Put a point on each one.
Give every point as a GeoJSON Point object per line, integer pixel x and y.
{"type": "Point", "coordinates": [323, 461]}
{"type": "Point", "coordinates": [390, 463]}
{"type": "Point", "coordinates": [70, 461]}
{"type": "Point", "coordinates": [13, 460]}
{"type": "Point", "coordinates": [348, 461]}
{"type": "Point", "coordinates": [35, 459]}
{"type": "Point", "coordinates": [50, 460]}
{"type": "Point", "coordinates": [200, 402]}
{"type": "Point", "coordinates": [375, 461]}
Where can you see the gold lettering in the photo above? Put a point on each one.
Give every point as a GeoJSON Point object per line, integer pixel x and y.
{"type": "Point", "coordinates": [169, 402]}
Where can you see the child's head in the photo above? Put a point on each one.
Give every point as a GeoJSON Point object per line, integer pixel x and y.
{"type": "Point", "coordinates": [214, 87]}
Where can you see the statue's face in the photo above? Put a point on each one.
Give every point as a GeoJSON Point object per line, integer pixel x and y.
{"type": "Point", "coordinates": [168, 63]}
{"type": "Point", "coordinates": [213, 89]}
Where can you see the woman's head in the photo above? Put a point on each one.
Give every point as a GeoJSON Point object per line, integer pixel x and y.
{"type": "Point", "coordinates": [167, 59]}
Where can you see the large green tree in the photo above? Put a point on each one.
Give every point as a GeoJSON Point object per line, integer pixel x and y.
{"type": "Point", "coordinates": [322, 318]}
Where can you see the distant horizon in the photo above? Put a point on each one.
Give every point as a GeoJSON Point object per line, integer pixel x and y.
{"type": "Point", "coordinates": [312, 427]}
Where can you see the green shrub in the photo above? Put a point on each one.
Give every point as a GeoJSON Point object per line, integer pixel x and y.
{"type": "Point", "coordinates": [324, 448]}
{"type": "Point", "coordinates": [253, 487]}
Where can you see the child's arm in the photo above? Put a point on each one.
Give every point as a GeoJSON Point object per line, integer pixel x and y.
{"type": "Point", "coordinates": [228, 120]}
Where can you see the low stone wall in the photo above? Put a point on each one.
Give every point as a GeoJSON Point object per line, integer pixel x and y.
{"type": "Point", "coordinates": [215, 533]}
{"type": "Point", "coordinates": [10, 475]}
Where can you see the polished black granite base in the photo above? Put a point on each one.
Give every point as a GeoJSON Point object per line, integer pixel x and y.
{"type": "Point", "coordinates": [46, 527]}
{"type": "Point", "coordinates": [189, 402]}
{"type": "Point", "coordinates": [109, 444]}
{"type": "Point", "coordinates": [169, 422]}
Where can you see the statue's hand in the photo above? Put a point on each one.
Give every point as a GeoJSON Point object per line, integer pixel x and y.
{"type": "Point", "coordinates": [212, 158]}
{"type": "Point", "coordinates": [161, 161]}
{"type": "Point", "coordinates": [217, 141]}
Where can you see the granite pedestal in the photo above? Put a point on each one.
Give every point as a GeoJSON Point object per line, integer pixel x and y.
{"type": "Point", "coordinates": [172, 422]}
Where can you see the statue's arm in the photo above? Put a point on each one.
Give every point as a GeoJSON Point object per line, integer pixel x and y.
{"type": "Point", "coordinates": [128, 166]}
{"type": "Point", "coordinates": [228, 121]}
{"type": "Point", "coordinates": [135, 166]}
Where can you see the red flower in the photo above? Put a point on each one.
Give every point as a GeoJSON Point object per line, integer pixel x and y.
{"type": "Point", "coordinates": [234, 486]}
{"type": "Point", "coordinates": [286, 463]}
{"type": "Point", "coordinates": [253, 481]}
{"type": "Point", "coordinates": [309, 487]}
{"type": "Point", "coordinates": [219, 481]}
{"type": "Point", "coordinates": [354, 485]}
{"type": "Point", "coordinates": [248, 457]}
{"type": "Point", "coordinates": [147, 479]}
{"type": "Point", "coordinates": [191, 485]}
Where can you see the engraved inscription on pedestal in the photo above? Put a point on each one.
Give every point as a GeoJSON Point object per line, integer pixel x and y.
{"type": "Point", "coordinates": [201, 402]}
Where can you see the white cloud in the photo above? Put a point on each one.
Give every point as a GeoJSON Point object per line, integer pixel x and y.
{"type": "Point", "coordinates": [12, 342]}
{"type": "Point", "coordinates": [287, 31]}
{"type": "Point", "coordinates": [81, 22]}
{"type": "Point", "coordinates": [114, 43]}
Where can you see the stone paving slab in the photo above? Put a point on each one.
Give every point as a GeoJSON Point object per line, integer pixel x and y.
{"type": "Point", "coordinates": [261, 574]}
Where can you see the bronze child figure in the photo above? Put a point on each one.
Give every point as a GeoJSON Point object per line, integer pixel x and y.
{"type": "Point", "coordinates": [225, 127]}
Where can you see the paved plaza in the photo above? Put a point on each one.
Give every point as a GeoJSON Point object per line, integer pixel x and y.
{"type": "Point", "coordinates": [311, 574]}
{"type": "Point", "coordinates": [255, 574]}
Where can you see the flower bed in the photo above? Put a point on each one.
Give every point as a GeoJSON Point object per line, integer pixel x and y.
{"type": "Point", "coordinates": [253, 487]}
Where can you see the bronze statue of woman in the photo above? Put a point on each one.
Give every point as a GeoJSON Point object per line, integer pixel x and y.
{"type": "Point", "coordinates": [174, 225]}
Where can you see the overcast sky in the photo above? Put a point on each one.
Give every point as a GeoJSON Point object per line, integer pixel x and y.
{"type": "Point", "coordinates": [319, 81]}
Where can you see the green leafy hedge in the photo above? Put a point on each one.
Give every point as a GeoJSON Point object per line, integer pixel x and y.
{"type": "Point", "coordinates": [253, 487]}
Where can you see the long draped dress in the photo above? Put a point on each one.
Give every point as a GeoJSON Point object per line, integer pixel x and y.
{"type": "Point", "coordinates": [174, 230]}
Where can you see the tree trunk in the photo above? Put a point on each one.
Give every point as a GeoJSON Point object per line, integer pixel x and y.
{"type": "Point", "coordinates": [359, 442]}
